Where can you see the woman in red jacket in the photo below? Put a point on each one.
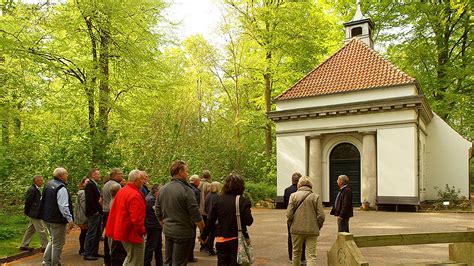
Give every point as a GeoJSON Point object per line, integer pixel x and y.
{"type": "Point", "coordinates": [126, 222]}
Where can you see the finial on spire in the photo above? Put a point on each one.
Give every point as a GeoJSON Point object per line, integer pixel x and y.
{"type": "Point", "coordinates": [358, 14]}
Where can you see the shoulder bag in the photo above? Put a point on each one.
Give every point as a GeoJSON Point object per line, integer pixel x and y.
{"type": "Point", "coordinates": [244, 249]}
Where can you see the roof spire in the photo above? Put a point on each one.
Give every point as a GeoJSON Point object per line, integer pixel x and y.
{"type": "Point", "coordinates": [358, 14]}
{"type": "Point", "coordinates": [359, 26]}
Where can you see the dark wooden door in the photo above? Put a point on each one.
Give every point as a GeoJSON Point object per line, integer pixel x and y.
{"type": "Point", "coordinates": [345, 160]}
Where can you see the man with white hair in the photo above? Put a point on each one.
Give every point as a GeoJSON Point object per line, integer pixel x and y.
{"type": "Point", "coordinates": [343, 209]}
{"type": "Point", "coordinates": [56, 211]}
{"type": "Point", "coordinates": [126, 222]}
{"type": "Point", "coordinates": [194, 181]}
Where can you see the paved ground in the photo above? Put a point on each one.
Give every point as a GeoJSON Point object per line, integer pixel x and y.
{"type": "Point", "coordinates": [269, 238]}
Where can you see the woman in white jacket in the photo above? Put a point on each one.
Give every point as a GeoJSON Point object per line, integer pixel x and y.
{"type": "Point", "coordinates": [305, 216]}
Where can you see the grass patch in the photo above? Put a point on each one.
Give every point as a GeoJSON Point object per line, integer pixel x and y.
{"type": "Point", "coordinates": [12, 227]}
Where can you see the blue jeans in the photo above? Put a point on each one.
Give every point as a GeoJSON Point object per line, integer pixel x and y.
{"type": "Point", "coordinates": [94, 229]}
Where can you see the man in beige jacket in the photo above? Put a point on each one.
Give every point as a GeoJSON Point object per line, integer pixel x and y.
{"type": "Point", "coordinates": [305, 215]}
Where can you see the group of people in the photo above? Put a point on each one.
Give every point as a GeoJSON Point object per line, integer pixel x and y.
{"type": "Point", "coordinates": [134, 218]}
{"type": "Point", "coordinates": [305, 216]}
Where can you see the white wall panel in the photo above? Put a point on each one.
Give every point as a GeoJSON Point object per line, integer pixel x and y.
{"type": "Point", "coordinates": [291, 157]}
{"type": "Point", "coordinates": [396, 162]}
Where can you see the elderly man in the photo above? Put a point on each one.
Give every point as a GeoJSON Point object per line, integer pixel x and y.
{"type": "Point", "coordinates": [153, 229]}
{"type": "Point", "coordinates": [177, 210]}
{"type": "Point", "coordinates": [205, 188]}
{"type": "Point", "coordinates": [32, 202]}
{"type": "Point", "coordinates": [342, 208]}
{"type": "Point", "coordinates": [111, 187]}
{"type": "Point", "coordinates": [126, 222]}
{"type": "Point", "coordinates": [94, 216]}
{"type": "Point", "coordinates": [56, 211]}
{"type": "Point", "coordinates": [194, 181]}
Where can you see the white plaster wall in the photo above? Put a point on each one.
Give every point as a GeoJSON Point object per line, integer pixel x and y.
{"type": "Point", "coordinates": [347, 121]}
{"type": "Point", "coordinates": [422, 174]}
{"type": "Point", "coordinates": [347, 97]}
{"type": "Point", "coordinates": [291, 157]}
{"type": "Point", "coordinates": [447, 158]}
{"type": "Point", "coordinates": [396, 162]}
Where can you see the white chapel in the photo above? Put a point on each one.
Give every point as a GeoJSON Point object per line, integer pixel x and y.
{"type": "Point", "coordinates": [358, 114]}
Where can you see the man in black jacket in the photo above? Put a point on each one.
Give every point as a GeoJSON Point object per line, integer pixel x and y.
{"type": "Point", "coordinates": [32, 202]}
{"type": "Point", "coordinates": [342, 208]}
{"type": "Point", "coordinates": [94, 216]}
{"type": "Point", "coordinates": [286, 198]}
{"type": "Point", "coordinates": [153, 230]}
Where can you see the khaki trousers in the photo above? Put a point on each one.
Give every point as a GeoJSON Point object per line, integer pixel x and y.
{"type": "Point", "coordinates": [311, 244]}
{"type": "Point", "coordinates": [135, 253]}
{"type": "Point", "coordinates": [35, 226]}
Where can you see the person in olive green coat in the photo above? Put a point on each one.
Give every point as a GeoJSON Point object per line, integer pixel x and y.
{"type": "Point", "coordinates": [305, 215]}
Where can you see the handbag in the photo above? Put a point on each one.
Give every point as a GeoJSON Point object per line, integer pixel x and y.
{"type": "Point", "coordinates": [289, 222]}
{"type": "Point", "coordinates": [244, 249]}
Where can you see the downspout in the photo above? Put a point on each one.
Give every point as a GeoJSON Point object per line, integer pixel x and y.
{"type": "Point", "coordinates": [418, 151]}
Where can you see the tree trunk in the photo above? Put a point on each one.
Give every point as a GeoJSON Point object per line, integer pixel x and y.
{"type": "Point", "coordinates": [267, 76]}
{"type": "Point", "coordinates": [5, 124]}
{"type": "Point", "coordinates": [90, 86]}
{"type": "Point", "coordinates": [104, 93]}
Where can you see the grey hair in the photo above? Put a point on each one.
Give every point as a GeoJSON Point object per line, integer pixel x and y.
{"type": "Point", "coordinates": [59, 172]}
{"type": "Point", "coordinates": [215, 186]}
{"type": "Point", "coordinates": [304, 181]}
{"type": "Point", "coordinates": [344, 179]}
{"type": "Point", "coordinates": [134, 174]}
{"type": "Point", "coordinates": [194, 177]}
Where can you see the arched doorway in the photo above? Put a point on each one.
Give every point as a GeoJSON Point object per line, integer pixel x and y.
{"type": "Point", "coordinates": [345, 160]}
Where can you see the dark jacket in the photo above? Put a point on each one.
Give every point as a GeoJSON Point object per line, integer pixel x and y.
{"type": "Point", "coordinates": [151, 221]}
{"type": "Point", "coordinates": [177, 207]}
{"type": "Point", "coordinates": [32, 201]}
{"type": "Point", "coordinates": [92, 193]}
{"type": "Point", "coordinates": [288, 191]}
{"type": "Point", "coordinates": [343, 205]}
{"type": "Point", "coordinates": [49, 208]}
{"type": "Point", "coordinates": [210, 201]}
{"type": "Point", "coordinates": [224, 213]}
{"type": "Point", "coordinates": [197, 193]}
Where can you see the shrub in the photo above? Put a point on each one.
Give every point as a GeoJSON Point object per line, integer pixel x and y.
{"type": "Point", "coordinates": [7, 233]}
{"type": "Point", "coordinates": [448, 194]}
{"type": "Point", "coordinates": [259, 191]}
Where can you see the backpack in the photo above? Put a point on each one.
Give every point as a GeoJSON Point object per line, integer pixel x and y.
{"type": "Point", "coordinates": [80, 210]}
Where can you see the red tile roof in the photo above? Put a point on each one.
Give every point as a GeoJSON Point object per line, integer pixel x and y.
{"type": "Point", "coordinates": [354, 67]}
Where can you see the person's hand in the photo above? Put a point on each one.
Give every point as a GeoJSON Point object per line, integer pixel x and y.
{"type": "Point", "coordinates": [339, 218]}
{"type": "Point", "coordinates": [70, 225]}
{"type": "Point", "coordinates": [203, 241]}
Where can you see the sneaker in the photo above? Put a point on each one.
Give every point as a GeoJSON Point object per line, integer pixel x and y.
{"type": "Point", "coordinates": [212, 253]}
{"type": "Point", "coordinates": [26, 249]}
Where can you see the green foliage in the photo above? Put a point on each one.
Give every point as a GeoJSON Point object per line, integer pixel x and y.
{"type": "Point", "coordinates": [448, 194]}
{"type": "Point", "coordinates": [12, 227]}
{"type": "Point", "coordinates": [260, 191]}
{"type": "Point", "coordinates": [6, 233]}
{"type": "Point", "coordinates": [157, 100]}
